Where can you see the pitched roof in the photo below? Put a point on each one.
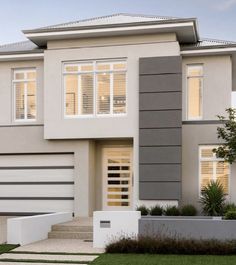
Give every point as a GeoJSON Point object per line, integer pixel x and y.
{"type": "Point", "coordinates": [119, 18]}
{"type": "Point", "coordinates": [20, 47]}
{"type": "Point", "coordinates": [206, 43]}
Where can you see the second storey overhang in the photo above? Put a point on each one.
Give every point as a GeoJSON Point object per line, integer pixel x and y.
{"type": "Point", "coordinates": [208, 47]}
{"type": "Point", "coordinates": [186, 31]}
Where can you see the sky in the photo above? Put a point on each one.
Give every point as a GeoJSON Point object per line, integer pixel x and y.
{"type": "Point", "coordinates": [216, 18]}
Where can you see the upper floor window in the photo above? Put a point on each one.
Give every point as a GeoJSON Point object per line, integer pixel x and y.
{"type": "Point", "coordinates": [194, 91]}
{"type": "Point", "coordinates": [24, 85]}
{"type": "Point", "coordinates": [95, 88]}
{"type": "Point", "coordinates": [213, 168]}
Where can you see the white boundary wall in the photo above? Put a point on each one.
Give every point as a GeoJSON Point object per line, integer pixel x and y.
{"type": "Point", "coordinates": [25, 230]}
{"type": "Point", "coordinates": [112, 225]}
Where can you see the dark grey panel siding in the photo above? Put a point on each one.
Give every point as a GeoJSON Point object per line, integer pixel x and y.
{"type": "Point", "coordinates": [165, 190]}
{"type": "Point", "coordinates": [150, 101]}
{"type": "Point", "coordinates": [157, 137]}
{"type": "Point", "coordinates": [166, 83]}
{"type": "Point", "coordinates": [160, 119]}
{"type": "Point", "coordinates": [160, 172]}
{"type": "Point", "coordinates": [160, 128]}
{"type": "Point", "coordinates": [160, 154]}
{"type": "Point", "coordinates": [160, 65]}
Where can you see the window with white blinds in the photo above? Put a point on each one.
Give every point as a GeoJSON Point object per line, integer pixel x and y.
{"type": "Point", "coordinates": [95, 88]}
{"type": "Point", "coordinates": [194, 91]}
{"type": "Point", "coordinates": [24, 84]}
{"type": "Point", "coordinates": [213, 168]}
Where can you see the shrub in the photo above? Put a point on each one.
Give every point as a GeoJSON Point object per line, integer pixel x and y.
{"type": "Point", "coordinates": [229, 206]}
{"type": "Point", "coordinates": [188, 210]}
{"type": "Point", "coordinates": [172, 211]}
{"type": "Point", "coordinates": [143, 209]}
{"type": "Point", "coordinates": [156, 210]}
{"type": "Point", "coordinates": [230, 215]}
{"type": "Point", "coordinates": [177, 246]}
{"type": "Point", "coordinates": [213, 198]}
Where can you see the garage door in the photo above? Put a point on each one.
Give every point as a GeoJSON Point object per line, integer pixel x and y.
{"type": "Point", "coordinates": [36, 183]}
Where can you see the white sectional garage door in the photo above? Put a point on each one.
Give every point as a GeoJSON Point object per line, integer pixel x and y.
{"type": "Point", "coordinates": [36, 183]}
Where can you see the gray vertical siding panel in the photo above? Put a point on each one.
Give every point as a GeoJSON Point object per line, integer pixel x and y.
{"type": "Point", "coordinates": [160, 128]}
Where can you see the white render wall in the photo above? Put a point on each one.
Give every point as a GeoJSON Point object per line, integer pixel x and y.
{"type": "Point", "coordinates": [117, 224]}
{"type": "Point", "coordinates": [25, 230]}
{"type": "Point", "coordinates": [57, 127]}
{"type": "Point", "coordinates": [217, 84]}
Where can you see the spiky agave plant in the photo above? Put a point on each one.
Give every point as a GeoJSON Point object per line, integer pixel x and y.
{"type": "Point", "coordinates": [213, 199]}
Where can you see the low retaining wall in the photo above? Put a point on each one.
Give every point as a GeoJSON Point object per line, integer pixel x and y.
{"type": "Point", "coordinates": [25, 230]}
{"type": "Point", "coordinates": [195, 228]}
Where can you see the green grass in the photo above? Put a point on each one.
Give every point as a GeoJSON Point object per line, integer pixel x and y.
{"type": "Point", "coordinates": [7, 247]}
{"type": "Point", "coordinates": [146, 259]}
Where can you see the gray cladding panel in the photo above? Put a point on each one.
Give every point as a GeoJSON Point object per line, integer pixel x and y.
{"type": "Point", "coordinates": [158, 155]}
{"type": "Point", "coordinates": [156, 173]}
{"type": "Point", "coordinates": [160, 128]}
{"type": "Point", "coordinates": [160, 83]}
{"type": "Point", "coordinates": [164, 101]}
{"type": "Point", "coordinates": [160, 119]}
{"type": "Point", "coordinates": [152, 137]}
{"type": "Point", "coordinates": [159, 190]}
{"type": "Point", "coordinates": [160, 65]}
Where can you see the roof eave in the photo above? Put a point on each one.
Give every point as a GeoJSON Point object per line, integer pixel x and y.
{"type": "Point", "coordinates": [41, 36]}
{"type": "Point", "coordinates": [209, 50]}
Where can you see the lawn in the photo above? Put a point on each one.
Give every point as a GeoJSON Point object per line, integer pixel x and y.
{"type": "Point", "coordinates": [7, 247]}
{"type": "Point", "coordinates": [141, 259]}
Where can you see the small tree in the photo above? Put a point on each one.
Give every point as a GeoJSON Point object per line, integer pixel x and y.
{"type": "Point", "coordinates": [227, 133]}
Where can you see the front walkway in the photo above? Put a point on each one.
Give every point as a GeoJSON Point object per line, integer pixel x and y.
{"type": "Point", "coordinates": [63, 251]}
{"type": "Point", "coordinates": [61, 246]}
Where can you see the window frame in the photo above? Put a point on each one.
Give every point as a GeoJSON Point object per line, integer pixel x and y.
{"type": "Point", "coordinates": [25, 81]}
{"type": "Point", "coordinates": [214, 159]}
{"type": "Point", "coordinates": [201, 91]}
{"type": "Point", "coordinates": [95, 72]}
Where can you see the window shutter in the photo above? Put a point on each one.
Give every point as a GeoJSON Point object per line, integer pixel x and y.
{"type": "Point", "coordinates": [25, 94]}
{"type": "Point", "coordinates": [19, 100]}
{"type": "Point", "coordinates": [86, 93]}
{"type": "Point", "coordinates": [119, 93]}
{"type": "Point", "coordinates": [213, 168]}
{"type": "Point", "coordinates": [31, 100]}
{"type": "Point", "coordinates": [103, 93]}
{"type": "Point", "coordinates": [71, 83]}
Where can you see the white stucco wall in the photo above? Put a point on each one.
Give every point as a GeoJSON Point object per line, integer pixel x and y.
{"type": "Point", "coordinates": [217, 84]}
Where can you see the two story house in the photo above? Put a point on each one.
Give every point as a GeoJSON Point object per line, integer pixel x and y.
{"type": "Point", "coordinates": [112, 112]}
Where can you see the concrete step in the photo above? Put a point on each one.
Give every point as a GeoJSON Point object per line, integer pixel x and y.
{"type": "Point", "coordinates": [70, 235]}
{"type": "Point", "coordinates": [72, 228]}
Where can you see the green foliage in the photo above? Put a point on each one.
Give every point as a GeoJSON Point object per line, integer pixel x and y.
{"type": "Point", "coordinates": [7, 247]}
{"type": "Point", "coordinates": [188, 210]}
{"type": "Point", "coordinates": [229, 206]}
{"type": "Point", "coordinates": [143, 209]}
{"type": "Point", "coordinates": [172, 211]}
{"type": "Point", "coordinates": [156, 210]}
{"type": "Point", "coordinates": [230, 215]}
{"type": "Point", "coordinates": [227, 133]}
{"type": "Point", "coordinates": [213, 198]}
{"type": "Point", "coordinates": [177, 246]}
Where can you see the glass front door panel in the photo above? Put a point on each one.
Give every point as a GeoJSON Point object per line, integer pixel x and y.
{"type": "Point", "coordinates": [117, 178]}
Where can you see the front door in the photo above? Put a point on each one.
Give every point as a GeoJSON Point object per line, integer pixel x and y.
{"type": "Point", "coordinates": [117, 178]}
